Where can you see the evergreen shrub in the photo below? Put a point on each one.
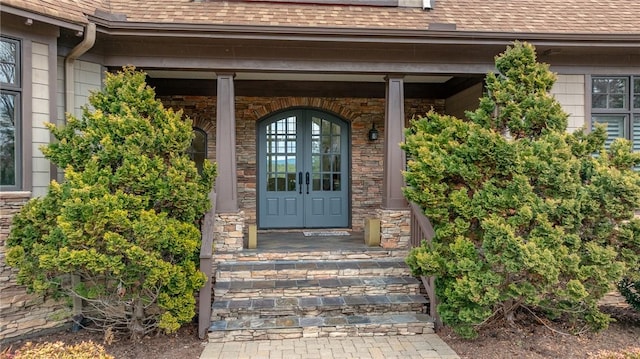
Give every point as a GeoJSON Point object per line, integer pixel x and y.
{"type": "Point", "coordinates": [526, 215]}
{"type": "Point", "coordinates": [125, 219]}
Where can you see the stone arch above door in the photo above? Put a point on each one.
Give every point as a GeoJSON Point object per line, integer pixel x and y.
{"type": "Point", "coordinates": [323, 104]}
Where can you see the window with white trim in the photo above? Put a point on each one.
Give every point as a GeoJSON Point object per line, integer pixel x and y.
{"type": "Point", "coordinates": [10, 117]}
{"type": "Point", "coordinates": [615, 101]}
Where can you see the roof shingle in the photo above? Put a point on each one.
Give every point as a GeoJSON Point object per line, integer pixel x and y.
{"type": "Point", "coordinates": [518, 16]}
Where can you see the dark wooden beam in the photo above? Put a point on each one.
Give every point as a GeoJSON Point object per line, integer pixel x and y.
{"type": "Point", "coordinates": [268, 88]}
{"type": "Point", "coordinates": [194, 87]}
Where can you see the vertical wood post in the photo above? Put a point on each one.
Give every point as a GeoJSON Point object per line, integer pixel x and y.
{"type": "Point", "coordinates": [394, 159]}
{"type": "Point", "coordinates": [227, 181]}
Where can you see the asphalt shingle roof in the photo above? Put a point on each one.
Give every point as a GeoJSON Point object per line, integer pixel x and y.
{"type": "Point", "coordinates": [526, 16]}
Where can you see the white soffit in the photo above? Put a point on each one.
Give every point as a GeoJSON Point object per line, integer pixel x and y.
{"type": "Point", "coordinates": [202, 75]}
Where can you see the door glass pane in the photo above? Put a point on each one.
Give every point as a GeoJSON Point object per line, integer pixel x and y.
{"type": "Point", "coordinates": [281, 156]}
{"type": "Point", "coordinates": [336, 181]}
{"type": "Point", "coordinates": [326, 163]}
{"type": "Point", "coordinates": [271, 182]}
{"type": "Point", "coordinates": [326, 144]}
{"type": "Point", "coordinates": [291, 165]}
{"type": "Point", "coordinates": [291, 181]}
{"type": "Point", "coordinates": [315, 126]}
{"type": "Point", "coordinates": [7, 139]}
{"type": "Point", "coordinates": [325, 159]}
{"type": "Point", "coordinates": [335, 144]}
{"type": "Point", "coordinates": [326, 182]}
{"type": "Point", "coordinates": [280, 183]}
{"type": "Point", "coordinates": [325, 127]}
{"type": "Point", "coordinates": [336, 163]}
{"type": "Point", "coordinates": [316, 182]}
{"type": "Point", "coordinates": [315, 163]}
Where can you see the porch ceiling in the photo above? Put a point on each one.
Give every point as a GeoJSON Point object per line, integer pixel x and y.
{"type": "Point", "coordinates": [431, 87]}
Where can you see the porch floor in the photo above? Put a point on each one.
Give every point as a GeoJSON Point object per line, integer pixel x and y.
{"type": "Point", "coordinates": [280, 241]}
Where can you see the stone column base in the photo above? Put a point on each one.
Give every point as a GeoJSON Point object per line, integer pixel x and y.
{"type": "Point", "coordinates": [229, 232]}
{"type": "Point", "coordinates": [395, 228]}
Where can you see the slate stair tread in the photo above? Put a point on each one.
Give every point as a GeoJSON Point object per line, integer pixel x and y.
{"type": "Point", "coordinates": [312, 302]}
{"type": "Point", "coordinates": [323, 283]}
{"type": "Point", "coordinates": [311, 265]}
{"type": "Point", "coordinates": [303, 322]}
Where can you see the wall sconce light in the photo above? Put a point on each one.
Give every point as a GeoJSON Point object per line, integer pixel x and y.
{"type": "Point", "coordinates": [373, 133]}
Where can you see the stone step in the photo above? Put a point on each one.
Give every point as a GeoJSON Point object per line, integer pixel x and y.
{"type": "Point", "coordinates": [317, 306]}
{"type": "Point", "coordinates": [279, 270]}
{"type": "Point", "coordinates": [293, 255]}
{"type": "Point", "coordinates": [316, 287]}
{"type": "Point", "coordinates": [298, 327]}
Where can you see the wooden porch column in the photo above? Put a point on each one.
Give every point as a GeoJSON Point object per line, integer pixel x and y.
{"type": "Point", "coordinates": [394, 158]}
{"type": "Point", "coordinates": [227, 181]}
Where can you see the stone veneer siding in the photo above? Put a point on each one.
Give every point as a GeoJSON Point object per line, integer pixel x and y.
{"type": "Point", "coordinates": [228, 234]}
{"type": "Point", "coordinates": [366, 156]}
{"type": "Point", "coordinates": [22, 314]}
{"type": "Point", "coordinates": [395, 228]}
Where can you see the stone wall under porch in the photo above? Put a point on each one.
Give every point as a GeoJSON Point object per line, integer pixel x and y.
{"type": "Point", "coordinates": [23, 314]}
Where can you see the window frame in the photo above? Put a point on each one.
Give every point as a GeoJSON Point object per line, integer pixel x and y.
{"type": "Point", "coordinates": [16, 89]}
{"type": "Point", "coordinates": [629, 113]}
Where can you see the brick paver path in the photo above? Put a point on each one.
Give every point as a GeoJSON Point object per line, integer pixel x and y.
{"type": "Point", "coordinates": [428, 346]}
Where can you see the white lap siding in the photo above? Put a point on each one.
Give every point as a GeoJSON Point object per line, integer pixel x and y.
{"type": "Point", "coordinates": [569, 91]}
{"type": "Point", "coordinates": [40, 103]}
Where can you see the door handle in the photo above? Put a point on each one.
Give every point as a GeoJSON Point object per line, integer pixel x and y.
{"type": "Point", "coordinates": [300, 181]}
{"type": "Point", "coordinates": [307, 181]}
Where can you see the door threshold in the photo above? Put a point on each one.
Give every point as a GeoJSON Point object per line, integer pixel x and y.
{"type": "Point", "coordinates": [302, 230]}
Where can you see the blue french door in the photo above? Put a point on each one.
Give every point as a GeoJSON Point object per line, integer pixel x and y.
{"type": "Point", "coordinates": [303, 170]}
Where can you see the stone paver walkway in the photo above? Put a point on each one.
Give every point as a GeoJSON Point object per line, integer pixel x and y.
{"type": "Point", "coordinates": [424, 346]}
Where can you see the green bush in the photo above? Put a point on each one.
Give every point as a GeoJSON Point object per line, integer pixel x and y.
{"type": "Point", "coordinates": [525, 214]}
{"type": "Point", "coordinates": [59, 350]}
{"type": "Point", "coordinates": [125, 220]}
